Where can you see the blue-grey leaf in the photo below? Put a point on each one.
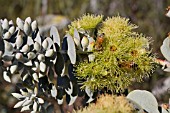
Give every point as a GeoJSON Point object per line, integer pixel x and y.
{"type": "Point", "coordinates": [25, 48]}
{"type": "Point", "coordinates": [50, 42]}
{"type": "Point", "coordinates": [71, 73]}
{"type": "Point", "coordinates": [37, 46]}
{"type": "Point", "coordinates": [17, 95]}
{"type": "Point", "coordinates": [11, 23]}
{"type": "Point", "coordinates": [12, 29]}
{"type": "Point", "coordinates": [27, 102]}
{"type": "Point", "coordinates": [54, 33]}
{"type": "Point", "coordinates": [19, 41]}
{"type": "Point", "coordinates": [71, 49]}
{"type": "Point", "coordinates": [20, 23]}
{"type": "Point", "coordinates": [76, 34]}
{"type": "Point", "coordinates": [8, 47]}
{"type": "Point", "coordinates": [69, 91]}
{"type": "Point", "coordinates": [165, 110]}
{"type": "Point", "coordinates": [35, 106]}
{"type": "Point", "coordinates": [31, 55]}
{"type": "Point", "coordinates": [34, 25]}
{"type": "Point", "coordinates": [26, 108]}
{"type": "Point", "coordinates": [38, 38]}
{"type": "Point", "coordinates": [28, 20]}
{"type": "Point", "coordinates": [35, 76]}
{"type": "Point", "coordinates": [7, 35]}
{"type": "Point", "coordinates": [53, 91]}
{"type": "Point", "coordinates": [135, 106]}
{"type": "Point", "coordinates": [29, 63]}
{"type": "Point", "coordinates": [45, 44]}
{"type": "Point", "coordinates": [43, 67]}
{"type": "Point", "coordinates": [72, 99]}
{"type": "Point", "coordinates": [145, 99]}
{"type": "Point", "coordinates": [60, 101]}
{"type": "Point", "coordinates": [49, 53]}
{"type": "Point", "coordinates": [33, 112]}
{"type": "Point", "coordinates": [65, 48]}
{"type": "Point", "coordinates": [51, 74]}
{"type": "Point", "coordinates": [27, 28]}
{"type": "Point", "coordinates": [19, 104]}
{"type": "Point", "coordinates": [6, 76]}
{"type": "Point", "coordinates": [40, 100]}
{"type": "Point", "coordinates": [5, 24]}
{"type": "Point", "coordinates": [13, 68]}
{"type": "Point", "coordinates": [36, 91]}
{"type": "Point", "coordinates": [165, 48]}
{"type": "Point", "coordinates": [76, 39]}
{"type": "Point", "coordinates": [12, 39]}
{"type": "Point", "coordinates": [59, 65]}
{"type": "Point", "coordinates": [30, 40]}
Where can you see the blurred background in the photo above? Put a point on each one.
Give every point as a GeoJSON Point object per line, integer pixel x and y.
{"type": "Point", "coordinates": [149, 15]}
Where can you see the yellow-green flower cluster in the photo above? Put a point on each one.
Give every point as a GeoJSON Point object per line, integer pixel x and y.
{"type": "Point", "coordinates": [109, 104]}
{"type": "Point", "coordinates": [86, 22]}
{"type": "Point", "coordinates": [125, 57]}
{"type": "Point", "coordinates": [117, 26]}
